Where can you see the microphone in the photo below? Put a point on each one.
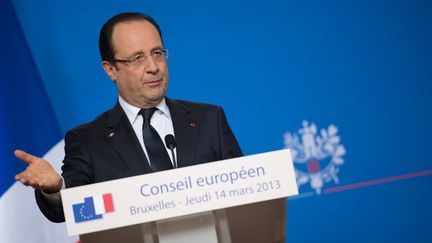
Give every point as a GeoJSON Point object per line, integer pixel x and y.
{"type": "Point", "coordinates": [171, 144]}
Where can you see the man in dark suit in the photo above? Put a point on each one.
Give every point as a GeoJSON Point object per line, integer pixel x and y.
{"type": "Point", "coordinates": [128, 140]}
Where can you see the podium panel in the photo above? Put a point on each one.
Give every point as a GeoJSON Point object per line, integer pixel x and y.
{"type": "Point", "coordinates": [236, 200]}
{"type": "Point", "coordinates": [190, 228]}
{"type": "Point", "coordinates": [262, 222]}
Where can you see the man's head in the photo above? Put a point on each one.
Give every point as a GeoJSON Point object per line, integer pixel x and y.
{"type": "Point", "coordinates": [132, 54]}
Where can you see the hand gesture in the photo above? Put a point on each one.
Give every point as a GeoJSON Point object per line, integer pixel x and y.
{"type": "Point", "coordinates": [39, 174]}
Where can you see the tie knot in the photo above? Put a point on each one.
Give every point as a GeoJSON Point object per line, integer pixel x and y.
{"type": "Point", "coordinates": [147, 114]}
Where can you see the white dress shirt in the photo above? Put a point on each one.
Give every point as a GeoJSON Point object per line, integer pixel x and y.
{"type": "Point", "coordinates": [161, 121]}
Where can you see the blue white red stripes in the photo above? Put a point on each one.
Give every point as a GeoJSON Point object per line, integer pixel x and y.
{"type": "Point", "coordinates": [103, 203]}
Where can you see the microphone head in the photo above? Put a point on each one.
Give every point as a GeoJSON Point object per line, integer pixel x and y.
{"type": "Point", "coordinates": [170, 141]}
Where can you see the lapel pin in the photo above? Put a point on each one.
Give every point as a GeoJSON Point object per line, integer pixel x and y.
{"type": "Point", "coordinates": [193, 125]}
{"type": "Point", "coordinates": [111, 134]}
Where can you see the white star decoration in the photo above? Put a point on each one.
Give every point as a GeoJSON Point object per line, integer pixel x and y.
{"type": "Point", "coordinates": [82, 214]}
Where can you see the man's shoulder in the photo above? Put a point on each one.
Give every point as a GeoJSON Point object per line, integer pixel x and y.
{"type": "Point", "coordinates": [97, 124]}
{"type": "Point", "coordinates": [191, 105]}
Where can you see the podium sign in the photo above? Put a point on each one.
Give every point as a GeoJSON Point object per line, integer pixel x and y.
{"type": "Point", "coordinates": [178, 192]}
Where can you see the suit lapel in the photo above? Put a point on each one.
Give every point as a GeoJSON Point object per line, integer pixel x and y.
{"type": "Point", "coordinates": [122, 137]}
{"type": "Point", "coordinates": [186, 132]}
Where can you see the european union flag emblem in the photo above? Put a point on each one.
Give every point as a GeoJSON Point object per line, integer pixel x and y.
{"type": "Point", "coordinates": [85, 211]}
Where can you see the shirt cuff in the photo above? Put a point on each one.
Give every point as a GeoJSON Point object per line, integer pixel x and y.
{"type": "Point", "coordinates": [55, 197]}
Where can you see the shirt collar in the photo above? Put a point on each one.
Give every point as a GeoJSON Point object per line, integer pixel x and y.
{"type": "Point", "coordinates": [132, 111]}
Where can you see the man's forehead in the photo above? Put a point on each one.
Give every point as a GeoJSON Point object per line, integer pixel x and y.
{"type": "Point", "coordinates": [136, 32]}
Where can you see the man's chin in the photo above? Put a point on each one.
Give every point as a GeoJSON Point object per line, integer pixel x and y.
{"type": "Point", "coordinates": [155, 100]}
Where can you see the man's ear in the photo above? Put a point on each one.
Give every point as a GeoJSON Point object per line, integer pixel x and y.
{"type": "Point", "coordinates": [109, 70]}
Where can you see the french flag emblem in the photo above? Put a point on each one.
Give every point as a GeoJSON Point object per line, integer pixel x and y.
{"type": "Point", "coordinates": [103, 203]}
{"type": "Point", "coordinates": [93, 208]}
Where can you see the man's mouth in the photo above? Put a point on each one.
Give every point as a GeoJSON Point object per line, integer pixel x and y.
{"type": "Point", "coordinates": [153, 83]}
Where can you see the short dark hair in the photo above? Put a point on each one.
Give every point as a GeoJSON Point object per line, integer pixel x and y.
{"type": "Point", "coordinates": [106, 47]}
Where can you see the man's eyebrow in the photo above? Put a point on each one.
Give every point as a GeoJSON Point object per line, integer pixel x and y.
{"type": "Point", "coordinates": [157, 48]}
{"type": "Point", "coordinates": [140, 52]}
{"type": "Point", "coordinates": [135, 53]}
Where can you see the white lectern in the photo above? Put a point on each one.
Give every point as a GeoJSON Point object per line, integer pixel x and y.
{"type": "Point", "coordinates": [231, 201]}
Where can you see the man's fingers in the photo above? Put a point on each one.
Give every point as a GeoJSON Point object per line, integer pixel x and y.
{"type": "Point", "coordinates": [25, 175]}
{"type": "Point", "coordinates": [26, 157]}
{"type": "Point", "coordinates": [21, 176]}
{"type": "Point", "coordinates": [26, 179]}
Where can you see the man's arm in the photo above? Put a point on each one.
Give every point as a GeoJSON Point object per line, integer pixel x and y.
{"type": "Point", "coordinates": [41, 176]}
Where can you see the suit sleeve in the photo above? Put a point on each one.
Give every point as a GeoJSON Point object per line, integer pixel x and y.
{"type": "Point", "coordinates": [77, 166]}
{"type": "Point", "coordinates": [228, 143]}
{"type": "Point", "coordinates": [52, 210]}
{"type": "Point", "coordinates": [76, 171]}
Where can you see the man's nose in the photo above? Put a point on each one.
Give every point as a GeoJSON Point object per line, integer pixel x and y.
{"type": "Point", "coordinates": [151, 65]}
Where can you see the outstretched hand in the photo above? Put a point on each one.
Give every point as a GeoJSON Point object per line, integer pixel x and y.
{"type": "Point", "coordinates": [39, 174]}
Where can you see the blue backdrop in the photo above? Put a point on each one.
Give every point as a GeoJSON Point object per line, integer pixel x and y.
{"type": "Point", "coordinates": [363, 66]}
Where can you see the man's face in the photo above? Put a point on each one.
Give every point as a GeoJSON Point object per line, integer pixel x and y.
{"type": "Point", "coordinates": [142, 85]}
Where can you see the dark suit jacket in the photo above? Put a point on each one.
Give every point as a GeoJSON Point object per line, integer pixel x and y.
{"type": "Point", "coordinates": [107, 148]}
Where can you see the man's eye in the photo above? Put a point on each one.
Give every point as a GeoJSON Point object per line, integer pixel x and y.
{"type": "Point", "coordinates": [137, 58]}
{"type": "Point", "coordinates": [157, 53]}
